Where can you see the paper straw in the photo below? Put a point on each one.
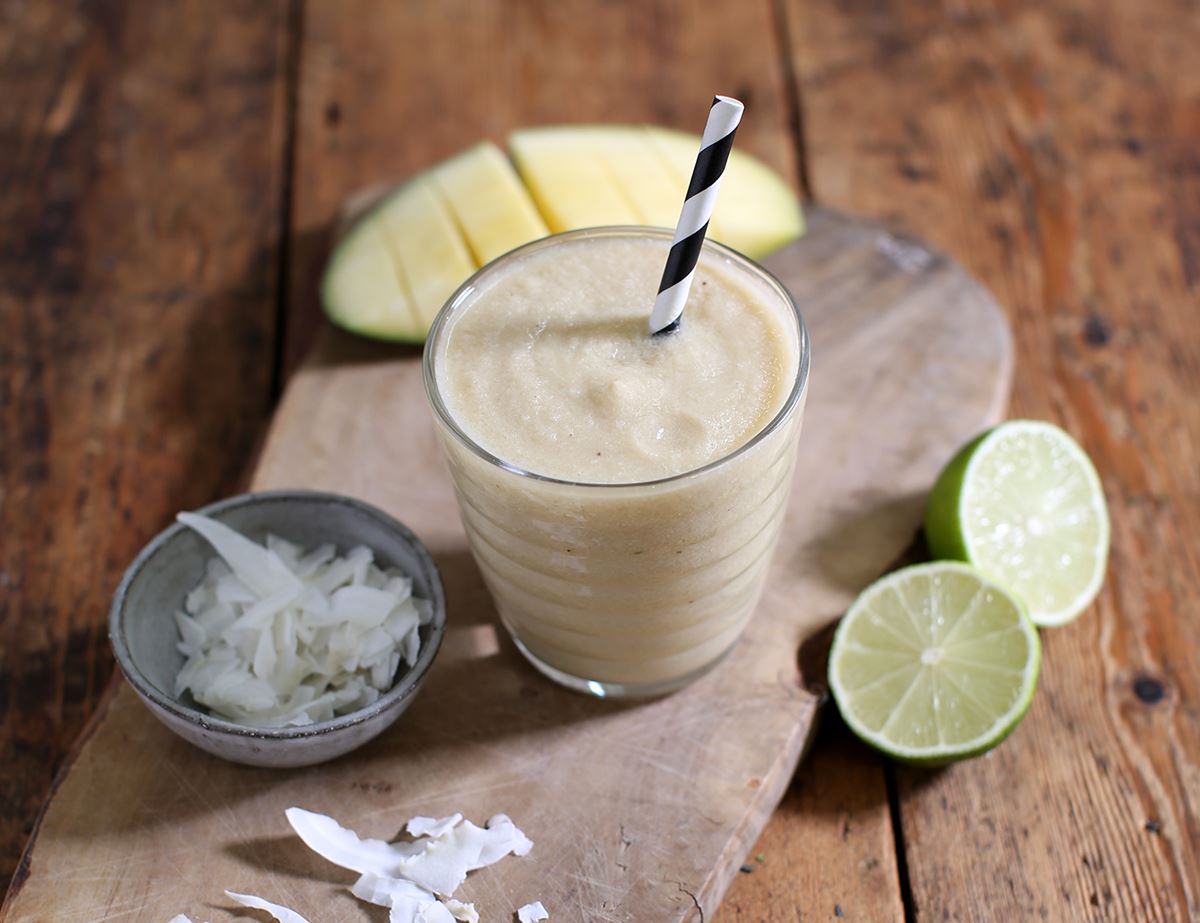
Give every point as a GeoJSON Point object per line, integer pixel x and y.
{"type": "Point", "coordinates": [715, 146]}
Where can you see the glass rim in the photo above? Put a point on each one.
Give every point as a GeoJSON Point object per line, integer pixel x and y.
{"type": "Point", "coordinates": [464, 291]}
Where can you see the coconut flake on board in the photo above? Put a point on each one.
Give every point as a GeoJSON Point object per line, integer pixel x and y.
{"type": "Point", "coordinates": [464, 912]}
{"type": "Point", "coordinates": [398, 875]}
{"type": "Point", "coordinates": [444, 864]}
{"type": "Point", "coordinates": [409, 877]}
{"type": "Point", "coordinates": [532, 913]}
{"type": "Point", "coordinates": [433, 826]}
{"type": "Point", "coordinates": [278, 911]}
{"type": "Point", "coordinates": [334, 843]}
{"type": "Point", "coordinates": [275, 636]}
{"type": "Point", "coordinates": [437, 863]}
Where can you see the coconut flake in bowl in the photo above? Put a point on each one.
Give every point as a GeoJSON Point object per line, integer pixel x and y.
{"type": "Point", "coordinates": [278, 636]}
{"type": "Point", "coordinates": [286, 652]}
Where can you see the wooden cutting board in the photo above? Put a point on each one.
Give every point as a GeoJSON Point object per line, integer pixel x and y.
{"type": "Point", "coordinates": [639, 812]}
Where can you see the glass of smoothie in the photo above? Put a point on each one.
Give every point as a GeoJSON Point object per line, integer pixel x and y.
{"type": "Point", "coordinates": [621, 493]}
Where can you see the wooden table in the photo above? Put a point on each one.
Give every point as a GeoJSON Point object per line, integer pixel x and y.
{"type": "Point", "coordinates": [168, 172]}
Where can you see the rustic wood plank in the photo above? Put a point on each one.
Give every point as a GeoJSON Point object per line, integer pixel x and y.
{"type": "Point", "coordinates": [141, 170]}
{"type": "Point", "coordinates": [828, 853]}
{"type": "Point", "coordinates": [1053, 147]}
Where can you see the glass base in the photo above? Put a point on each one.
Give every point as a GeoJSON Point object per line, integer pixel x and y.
{"type": "Point", "coordinates": [603, 690]}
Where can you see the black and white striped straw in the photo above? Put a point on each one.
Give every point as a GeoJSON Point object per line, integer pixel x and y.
{"type": "Point", "coordinates": [723, 119]}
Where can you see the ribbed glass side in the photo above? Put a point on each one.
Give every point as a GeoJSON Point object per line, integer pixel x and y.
{"type": "Point", "coordinates": [636, 586]}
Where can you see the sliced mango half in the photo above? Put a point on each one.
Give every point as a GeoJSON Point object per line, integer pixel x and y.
{"type": "Point", "coordinates": [396, 267]}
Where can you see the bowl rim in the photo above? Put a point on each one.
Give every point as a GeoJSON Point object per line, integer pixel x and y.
{"type": "Point", "coordinates": [404, 688]}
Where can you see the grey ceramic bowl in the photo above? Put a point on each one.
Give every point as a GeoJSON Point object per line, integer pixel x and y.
{"type": "Point", "coordinates": [144, 636]}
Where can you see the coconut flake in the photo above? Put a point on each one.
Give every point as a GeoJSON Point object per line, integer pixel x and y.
{"type": "Point", "coordinates": [444, 863]}
{"type": "Point", "coordinates": [433, 826]}
{"type": "Point", "coordinates": [462, 911]}
{"type": "Point", "coordinates": [408, 877]}
{"type": "Point", "coordinates": [436, 912]}
{"type": "Point", "coordinates": [363, 605]}
{"type": "Point", "coordinates": [275, 637]}
{"type": "Point", "coordinates": [383, 891]}
{"type": "Point", "coordinates": [250, 561]}
{"type": "Point", "coordinates": [505, 838]}
{"type": "Point", "coordinates": [334, 843]}
{"type": "Point", "coordinates": [406, 902]}
{"type": "Point", "coordinates": [278, 911]}
{"type": "Point", "coordinates": [463, 848]}
{"type": "Point", "coordinates": [532, 913]}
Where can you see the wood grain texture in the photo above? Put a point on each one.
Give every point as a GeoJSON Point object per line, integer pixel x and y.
{"type": "Point", "coordinates": [828, 851]}
{"type": "Point", "coordinates": [138, 256]}
{"type": "Point", "coordinates": [640, 810]}
{"type": "Point", "coordinates": [1055, 148]}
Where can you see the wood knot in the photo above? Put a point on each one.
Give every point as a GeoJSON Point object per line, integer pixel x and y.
{"type": "Point", "coordinates": [1095, 331]}
{"type": "Point", "coordinates": [1148, 689]}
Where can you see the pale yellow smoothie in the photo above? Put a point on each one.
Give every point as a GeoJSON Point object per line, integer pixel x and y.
{"type": "Point", "coordinates": [622, 493]}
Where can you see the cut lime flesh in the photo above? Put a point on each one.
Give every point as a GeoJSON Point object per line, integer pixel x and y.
{"type": "Point", "coordinates": [1024, 504]}
{"type": "Point", "coordinates": [934, 663]}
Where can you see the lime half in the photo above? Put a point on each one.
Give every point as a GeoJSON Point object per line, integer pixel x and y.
{"type": "Point", "coordinates": [1025, 506]}
{"type": "Point", "coordinates": [934, 663]}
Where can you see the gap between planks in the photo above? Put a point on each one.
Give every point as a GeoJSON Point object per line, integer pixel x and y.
{"type": "Point", "coordinates": [293, 46]}
{"type": "Point", "coordinates": [794, 97]}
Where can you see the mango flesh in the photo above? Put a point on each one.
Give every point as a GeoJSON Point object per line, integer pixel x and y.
{"type": "Point", "coordinates": [582, 176]}
{"type": "Point", "coordinates": [362, 290]}
{"type": "Point", "coordinates": [432, 263]}
{"type": "Point", "coordinates": [397, 266]}
{"type": "Point", "coordinates": [568, 172]}
{"type": "Point", "coordinates": [756, 213]}
{"type": "Point", "coordinates": [656, 189]}
{"type": "Point", "coordinates": [491, 207]}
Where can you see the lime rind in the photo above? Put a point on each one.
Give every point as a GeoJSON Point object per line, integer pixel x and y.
{"type": "Point", "coordinates": [942, 534]}
{"type": "Point", "coordinates": [892, 681]}
{"type": "Point", "coordinates": [953, 540]}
